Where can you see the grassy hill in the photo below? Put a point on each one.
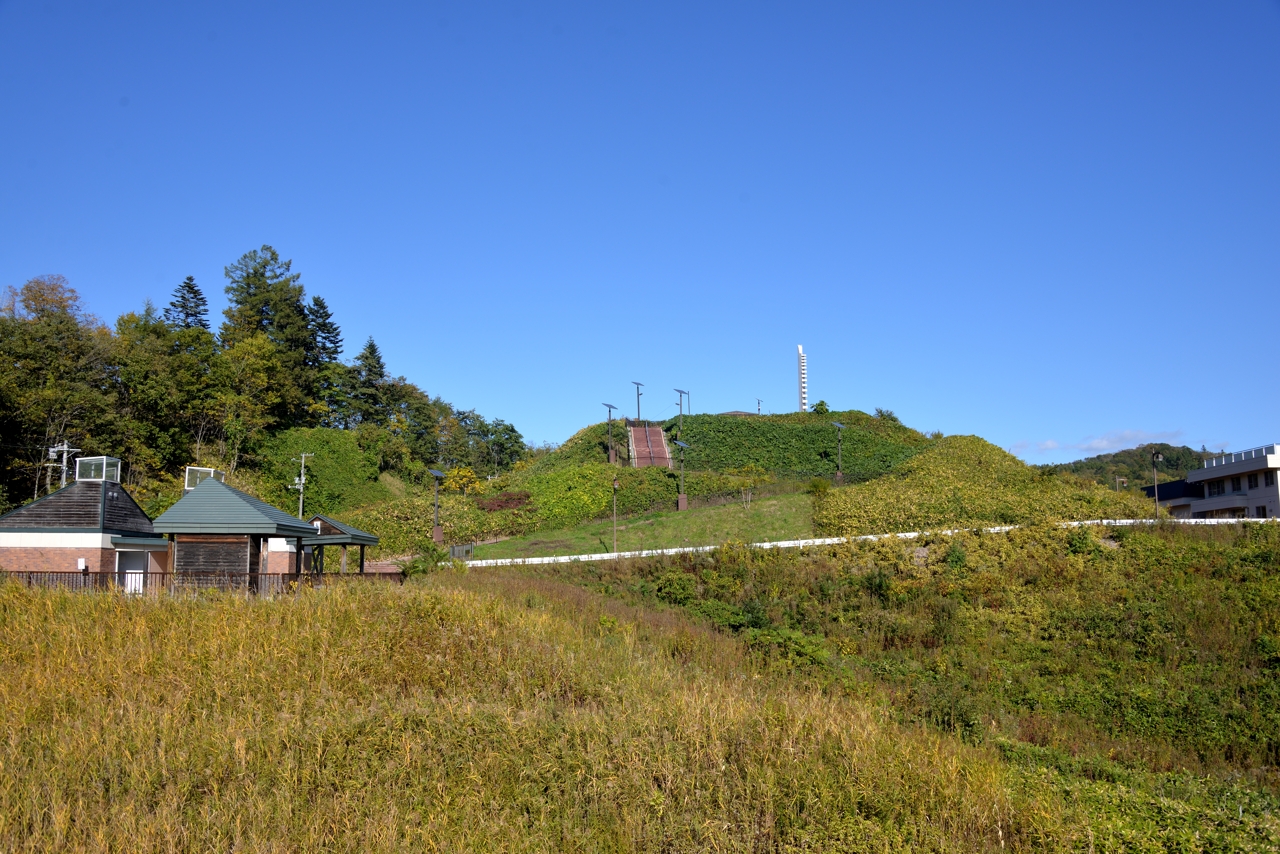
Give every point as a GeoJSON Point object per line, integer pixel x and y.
{"type": "Point", "coordinates": [962, 481]}
{"type": "Point", "coordinates": [505, 713]}
{"type": "Point", "coordinates": [1147, 659]}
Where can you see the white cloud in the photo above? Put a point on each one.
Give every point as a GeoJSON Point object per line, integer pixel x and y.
{"type": "Point", "coordinates": [1113, 441]}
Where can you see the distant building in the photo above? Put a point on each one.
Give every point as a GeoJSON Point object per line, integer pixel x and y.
{"type": "Point", "coordinates": [1231, 486]}
{"type": "Point", "coordinates": [804, 379]}
{"type": "Point", "coordinates": [91, 525]}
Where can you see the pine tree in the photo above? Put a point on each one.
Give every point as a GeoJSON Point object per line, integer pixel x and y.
{"type": "Point", "coordinates": [370, 384]}
{"type": "Point", "coordinates": [326, 337]}
{"type": "Point", "coordinates": [188, 308]}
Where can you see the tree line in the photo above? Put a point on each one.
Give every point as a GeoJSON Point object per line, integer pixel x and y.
{"type": "Point", "coordinates": [163, 389]}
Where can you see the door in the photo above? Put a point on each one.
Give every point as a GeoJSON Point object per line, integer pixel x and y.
{"type": "Point", "coordinates": [131, 571]}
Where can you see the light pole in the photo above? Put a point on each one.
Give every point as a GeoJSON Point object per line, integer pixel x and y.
{"type": "Point", "coordinates": [638, 393]}
{"type": "Point", "coordinates": [758, 402]}
{"type": "Point", "coordinates": [683, 394]}
{"type": "Point", "coordinates": [839, 452]}
{"type": "Point", "coordinates": [682, 501]}
{"type": "Point", "coordinates": [1156, 457]}
{"type": "Point", "coordinates": [437, 533]}
{"type": "Point", "coordinates": [613, 456]}
{"type": "Point", "coordinates": [615, 516]}
{"type": "Point", "coordinates": [301, 483]}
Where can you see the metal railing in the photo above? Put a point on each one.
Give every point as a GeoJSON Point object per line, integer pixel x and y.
{"type": "Point", "coordinates": [1251, 454]}
{"type": "Point", "coordinates": [263, 583]}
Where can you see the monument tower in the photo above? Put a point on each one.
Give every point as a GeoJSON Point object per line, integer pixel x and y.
{"type": "Point", "coordinates": [804, 380]}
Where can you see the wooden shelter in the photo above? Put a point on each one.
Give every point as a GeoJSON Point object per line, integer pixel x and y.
{"type": "Point", "coordinates": [216, 528]}
{"type": "Point", "coordinates": [92, 526]}
{"type": "Point", "coordinates": [331, 532]}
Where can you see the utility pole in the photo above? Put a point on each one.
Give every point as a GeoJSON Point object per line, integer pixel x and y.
{"type": "Point", "coordinates": [758, 402]}
{"type": "Point", "coordinates": [613, 456]}
{"type": "Point", "coordinates": [638, 393]}
{"type": "Point", "coordinates": [301, 483]}
{"type": "Point", "coordinates": [680, 403]}
{"type": "Point", "coordinates": [64, 449]}
{"type": "Point", "coordinates": [615, 515]}
{"type": "Point", "coordinates": [1156, 457]}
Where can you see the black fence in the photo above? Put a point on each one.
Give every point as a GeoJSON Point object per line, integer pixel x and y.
{"type": "Point", "coordinates": [264, 583]}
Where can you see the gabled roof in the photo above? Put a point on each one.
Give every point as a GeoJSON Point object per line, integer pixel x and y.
{"type": "Point", "coordinates": [85, 506]}
{"type": "Point", "coordinates": [215, 508]}
{"type": "Point", "coordinates": [335, 533]}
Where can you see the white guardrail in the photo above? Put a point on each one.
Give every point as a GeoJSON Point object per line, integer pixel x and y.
{"type": "Point", "coordinates": [827, 541]}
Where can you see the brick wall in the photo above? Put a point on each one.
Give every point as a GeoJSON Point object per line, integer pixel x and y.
{"type": "Point", "coordinates": [56, 560]}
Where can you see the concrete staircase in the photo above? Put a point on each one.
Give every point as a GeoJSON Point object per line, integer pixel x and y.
{"type": "Point", "coordinates": [649, 447]}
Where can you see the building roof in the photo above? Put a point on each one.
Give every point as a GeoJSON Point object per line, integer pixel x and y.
{"type": "Point", "coordinates": [1174, 490]}
{"type": "Point", "coordinates": [215, 508]}
{"type": "Point", "coordinates": [85, 506]}
{"type": "Point", "coordinates": [335, 533]}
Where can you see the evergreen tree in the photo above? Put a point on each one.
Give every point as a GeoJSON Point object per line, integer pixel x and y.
{"type": "Point", "coordinates": [370, 380]}
{"type": "Point", "coordinates": [265, 297]}
{"type": "Point", "coordinates": [188, 308]}
{"type": "Point", "coordinates": [326, 337]}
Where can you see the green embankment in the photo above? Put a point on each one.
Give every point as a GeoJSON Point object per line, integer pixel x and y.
{"type": "Point", "coordinates": [505, 713]}
{"type": "Point", "coordinates": [768, 518]}
{"type": "Point", "coordinates": [963, 481]}
{"type": "Point", "coordinates": [1146, 658]}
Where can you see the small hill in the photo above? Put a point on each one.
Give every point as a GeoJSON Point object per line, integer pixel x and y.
{"type": "Point", "coordinates": [962, 481]}
{"type": "Point", "coordinates": [800, 444]}
{"type": "Point", "coordinates": [1134, 464]}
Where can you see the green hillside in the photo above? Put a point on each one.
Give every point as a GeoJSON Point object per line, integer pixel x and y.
{"type": "Point", "coordinates": [1134, 464]}
{"type": "Point", "coordinates": [962, 481]}
{"type": "Point", "coordinates": [487, 712]}
{"type": "Point", "coordinates": [1147, 659]}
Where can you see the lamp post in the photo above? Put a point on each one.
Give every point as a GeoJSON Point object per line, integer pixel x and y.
{"type": "Point", "coordinates": [437, 533]}
{"type": "Point", "coordinates": [638, 393]}
{"type": "Point", "coordinates": [613, 455]}
{"type": "Point", "coordinates": [615, 515]}
{"type": "Point", "coordinates": [839, 452]}
{"type": "Point", "coordinates": [680, 429]}
{"type": "Point", "coordinates": [1156, 457]}
{"type": "Point", "coordinates": [682, 501]}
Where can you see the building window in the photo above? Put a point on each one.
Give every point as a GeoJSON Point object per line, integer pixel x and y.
{"type": "Point", "coordinates": [1270, 478]}
{"type": "Point", "coordinates": [1217, 487]}
{"type": "Point", "coordinates": [1261, 510]}
{"type": "Point", "coordinates": [1253, 481]}
{"type": "Point", "coordinates": [1235, 484]}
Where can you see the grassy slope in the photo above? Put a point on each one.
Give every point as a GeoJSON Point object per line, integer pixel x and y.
{"type": "Point", "coordinates": [964, 481]}
{"type": "Point", "coordinates": [1145, 657]}
{"type": "Point", "coordinates": [778, 517]}
{"type": "Point", "coordinates": [498, 713]}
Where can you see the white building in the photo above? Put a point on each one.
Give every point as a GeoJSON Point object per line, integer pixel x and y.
{"type": "Point", "coordinates": [1232, 486]}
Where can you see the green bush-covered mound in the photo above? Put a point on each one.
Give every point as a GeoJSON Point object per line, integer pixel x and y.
{"type": "Point", "coordinates": [963, 481]}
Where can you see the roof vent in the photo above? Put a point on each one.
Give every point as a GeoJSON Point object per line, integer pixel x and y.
{"type": "Point", "coordinates": [98, 468]}
{"type": "Point", "coordinates": [195, 474]}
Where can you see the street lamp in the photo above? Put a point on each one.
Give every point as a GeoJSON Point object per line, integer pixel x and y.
{"type": "Point", "coordinates": [437, 533]}
{"type": "Point", "coordinates": [1156, 457]}
{"type": "Point", "coordinates": [613, 457]}
{"type": "Point", "coordinates": [638, 393]}
{"type": "Point", "coordinates": [682, 501]}
{"type": "Point", "coordinates": [840, 428]}
{"type": "Point", "coordinates": [682, 393]}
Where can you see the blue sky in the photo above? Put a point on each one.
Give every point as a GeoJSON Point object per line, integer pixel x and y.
{"type": "Point", "coordinates": [1056, 226]}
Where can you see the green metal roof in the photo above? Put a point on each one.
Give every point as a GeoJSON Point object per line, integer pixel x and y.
{"type": "Point", "coordinates": [350, 536]}
{"type": "Point", "coordinates": [215, 508]}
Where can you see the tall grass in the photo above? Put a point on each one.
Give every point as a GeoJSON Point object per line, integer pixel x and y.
{"type": "Point", "coordinates": [501, 714]}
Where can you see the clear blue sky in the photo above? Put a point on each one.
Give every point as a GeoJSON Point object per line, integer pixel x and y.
{"type": "Point", "coordinates": [1056, 226]}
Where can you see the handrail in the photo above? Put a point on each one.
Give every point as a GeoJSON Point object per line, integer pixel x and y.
{"type": "Point", "coordinates": [1251, 454]}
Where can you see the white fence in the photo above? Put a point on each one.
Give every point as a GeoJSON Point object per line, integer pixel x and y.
{"type": "Point", "coordinates": [830, 541]}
